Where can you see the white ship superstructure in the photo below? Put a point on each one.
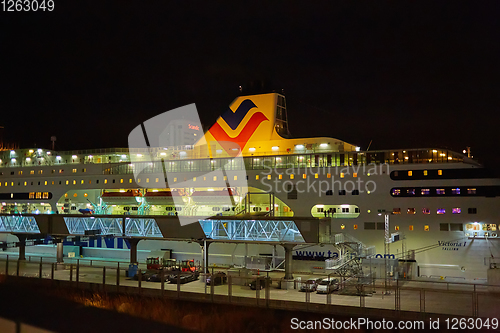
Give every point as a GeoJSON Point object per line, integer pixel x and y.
{"type": "Point", "coordinates": [444, 204]}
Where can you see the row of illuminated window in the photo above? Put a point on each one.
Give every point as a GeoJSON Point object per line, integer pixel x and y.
{"type": "Point", "coordinates": [439, 211]}
{"type": "Point", "coordinates": [426, 227]}
{"type": "Point", "coordinates": [66, 182]}
{"type": "Point", "coordinates": [425, 173]}
{"type": "Point", "coordinates": [428, 191]}
{"type": "Point", "coordinates": [40, 172]}
{"type": "Point", "coordinates": [334, 210]}
{"type": "Point", "coordinates": [304, 176]}
{"type": "Point", "coordinates": [39, 195]}
{"type": "Point", "coordinates": [156, 180]}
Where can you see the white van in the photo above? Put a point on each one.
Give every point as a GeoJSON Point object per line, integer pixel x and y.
{"type": "Point", "coordinates": [326, 286]}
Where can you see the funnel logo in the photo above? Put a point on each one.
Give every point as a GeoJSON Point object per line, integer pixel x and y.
{"type": "Point", "coordinates": [234, 120]}
{"type": "Point", "coordinates": [163, 155]}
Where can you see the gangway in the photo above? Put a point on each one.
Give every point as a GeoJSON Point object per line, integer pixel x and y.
{"type": "Point", "coordinates": [351, 251]}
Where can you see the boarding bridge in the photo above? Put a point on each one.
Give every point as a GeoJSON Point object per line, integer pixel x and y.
{"type": "Point", "coordinates": [284, 231]}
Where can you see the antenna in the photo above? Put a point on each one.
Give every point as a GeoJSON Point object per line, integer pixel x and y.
{"type": "Point", "coordinates": [369, 145]}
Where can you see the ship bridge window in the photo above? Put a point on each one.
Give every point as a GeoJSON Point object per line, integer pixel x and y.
{"type": "Point", "coordinates": [455, 191]}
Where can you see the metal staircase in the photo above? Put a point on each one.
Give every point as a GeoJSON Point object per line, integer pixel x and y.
{"type": "Point", "coordinates": [348, 265]}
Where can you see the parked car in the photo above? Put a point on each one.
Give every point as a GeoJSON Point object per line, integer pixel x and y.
{"type": "Point", "coordinates": [262, 282]}
{"type": "Point", "coordinates": [309, 285]}
{"type": "Point", "coordinates": [218, 277]}
{"type": "Point", "coordinates": [183, 277]}
{"type": "Point", "coordinates": [326, 286]}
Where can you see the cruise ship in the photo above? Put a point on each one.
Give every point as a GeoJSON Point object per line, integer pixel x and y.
{"type": "Point", "coordinates": [442, 205]}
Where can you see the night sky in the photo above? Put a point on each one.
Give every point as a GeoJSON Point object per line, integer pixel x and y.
{"type": "Point", "coordinates": [403, 74]}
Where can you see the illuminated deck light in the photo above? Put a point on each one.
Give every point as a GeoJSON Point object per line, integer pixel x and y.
{"type": "Point", "coordinates": [275, 148]}
{"type": "Point", "coordinates": [299, 146]}
{"type": "Point", "coordinates": [251, 149]}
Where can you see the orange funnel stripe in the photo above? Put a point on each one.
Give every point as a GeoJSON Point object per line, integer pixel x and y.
{"type": "Point", "coordinates": [221, 136]}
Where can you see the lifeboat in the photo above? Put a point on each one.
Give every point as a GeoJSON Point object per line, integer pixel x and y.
{"type": "Point", "coordinates": [165, 197]}
{"type": "Point", "coordinates": [214, 197]}
{"type": "Point", "coordinates": [129, 197]}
